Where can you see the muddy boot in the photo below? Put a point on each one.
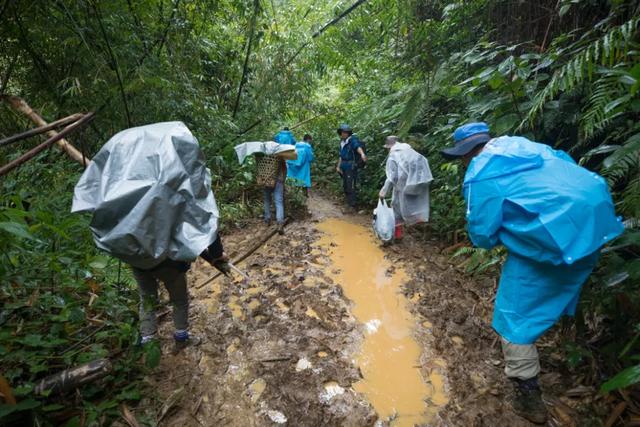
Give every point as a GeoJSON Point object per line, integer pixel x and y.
{"type": "Point", "coordinates": [184, 339]}
{"type": "Point", "coordinates": [527, 400]}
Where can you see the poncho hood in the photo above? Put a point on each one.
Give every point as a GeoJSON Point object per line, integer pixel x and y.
{"type": "Point", "coordinates": [537, 202]}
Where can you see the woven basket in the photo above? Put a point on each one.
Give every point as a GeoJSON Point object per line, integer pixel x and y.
{"type": "Point", "coordinates": [267, 170]}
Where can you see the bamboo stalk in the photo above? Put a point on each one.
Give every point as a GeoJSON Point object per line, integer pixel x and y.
{"type": "Point", "coordinates": [41, 129]}
{"type": "Point", "coordinates": [245, 255]}
{"type": "Point", "coordinates": [21, 106]}
{"type": "Point", "coordinates": [55, 138]}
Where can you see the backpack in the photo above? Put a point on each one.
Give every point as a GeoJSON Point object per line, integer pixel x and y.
{"type": "Point", "coordinates": [356, 157]}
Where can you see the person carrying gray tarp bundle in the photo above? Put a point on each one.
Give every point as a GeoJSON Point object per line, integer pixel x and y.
{"type": "Point", "coordinates": [553, 217]}
{"type": "Point", "coordinates": [271, 170]}
{"type": "Point", "coordinates": [409, 175]}
{"type": "Point", "coordinates": [149, 191]}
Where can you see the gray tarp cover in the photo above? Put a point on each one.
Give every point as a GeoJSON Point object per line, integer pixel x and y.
{"type": "Point", "coordinates": [150, 194]}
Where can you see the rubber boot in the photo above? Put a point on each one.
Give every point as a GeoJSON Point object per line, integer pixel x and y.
{"type": "Point", "coordinates": [527, 401]}
{"type": "Point", "coordinates": [398, 232]}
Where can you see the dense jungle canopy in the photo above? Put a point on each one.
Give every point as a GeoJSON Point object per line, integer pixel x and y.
{"type": "Point", "coordinates": [562, 72]}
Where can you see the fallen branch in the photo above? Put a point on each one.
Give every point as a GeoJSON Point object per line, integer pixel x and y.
{"type": "Point", "coordinates": [42, 129]}
{"type": "Point", "coordinates": [74, 377]}
{"type": "Point", "coordinates": [21, 106]}
{"type": "Point", "coordinates": [35, 151]}
{"type": "Point", "coordinates": [245, 255]}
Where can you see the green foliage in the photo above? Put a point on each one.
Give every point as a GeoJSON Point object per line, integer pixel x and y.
{"type": "Point", "coordinates": [413, 68]}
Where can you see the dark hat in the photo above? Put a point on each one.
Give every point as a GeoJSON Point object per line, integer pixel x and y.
{"type": "Point", "coordinates": [466, 138]}
{"type": "Point", "coordinates": [344, 128]}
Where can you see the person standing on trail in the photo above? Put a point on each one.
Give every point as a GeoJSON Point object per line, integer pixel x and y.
{"type": "Point", "coordinates": [149, 191]}
{"type": "Point", "coordinates": [299, 170]}
{"type": "Point", "coordinates": [352, 156]}
{"type": "Point", "coordinates": [552, 216]}
{"type": "Point", "coordinates": [409, 175]}
{"type": "Point", "coordinates": [277, 191]}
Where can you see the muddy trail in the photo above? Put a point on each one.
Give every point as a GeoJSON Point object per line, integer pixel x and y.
{"type": "Point", "coordinates": [332, 329]}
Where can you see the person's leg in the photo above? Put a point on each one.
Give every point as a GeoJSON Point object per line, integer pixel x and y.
{"type": "Point", "coordinates": [398, 232]}
{"type": "Point", "coordinates": [521, 360]}
{"type": "Point", "coordinates": [522, 366]}
{"type": "Point", "coordinates": [266, 192]}
{"type": "Point", "coordinates": [278, 196]}
{"type": "Point", "coordinates": [348, 182]}
{"type": "Point", "coordinates": [148, 290]}
{"type": "Point", "coordinates": [354, 187]}
{"type": "Point", "coordinates": [175, 281]}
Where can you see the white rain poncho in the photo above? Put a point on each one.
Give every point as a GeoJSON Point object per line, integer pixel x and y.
{"type": "Point", "coordinates": [409, 174]}
{"type": "Point", "coordinates": [150, 194]}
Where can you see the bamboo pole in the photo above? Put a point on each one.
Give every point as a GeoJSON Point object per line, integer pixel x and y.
{"type": "Point", "coordinates": [245, 255]}
{"type": "Point", "coordinates": [37, 131]}
{"type": "Point", "coordinates": [34, 151]}
{"type": "Point", "coordinates": [21, 106]}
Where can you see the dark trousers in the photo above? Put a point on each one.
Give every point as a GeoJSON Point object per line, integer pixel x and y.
{"type": "Point", "coordinates": [349, 182]}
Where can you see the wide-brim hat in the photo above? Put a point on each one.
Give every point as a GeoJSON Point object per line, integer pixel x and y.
{"type": "Point", "coordinates": [466, 138]}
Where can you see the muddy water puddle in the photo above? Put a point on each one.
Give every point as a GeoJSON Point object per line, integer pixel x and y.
{"type": "Point", "coordinates": [389, 355]}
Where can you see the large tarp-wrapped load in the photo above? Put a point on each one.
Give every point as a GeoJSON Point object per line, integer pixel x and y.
{"type": "Point", "coordinates": [409, 172]}
{"type": "Point", "coordinates": [150, 194]}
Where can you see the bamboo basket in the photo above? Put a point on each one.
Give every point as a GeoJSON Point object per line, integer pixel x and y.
{"type": "Point", "coordinates": [267, 168]}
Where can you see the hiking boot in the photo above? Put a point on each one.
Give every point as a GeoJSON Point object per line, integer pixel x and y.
{"type": "Point", "coordinates": [527, 401]}
{"type": "Point", "coordinates": [184, 339]}
{"type": "Point", "coordinates": [281, 229]}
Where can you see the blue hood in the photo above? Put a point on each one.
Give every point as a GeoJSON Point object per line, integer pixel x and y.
{"type": "Point", "coordinates": [285, 137]}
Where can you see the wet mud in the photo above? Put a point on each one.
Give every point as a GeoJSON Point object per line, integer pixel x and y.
{"type": "Point", "coordinates": [291, 346]}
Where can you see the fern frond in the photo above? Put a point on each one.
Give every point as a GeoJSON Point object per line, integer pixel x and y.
{"type": "Point", "coordinates": [606, 50]}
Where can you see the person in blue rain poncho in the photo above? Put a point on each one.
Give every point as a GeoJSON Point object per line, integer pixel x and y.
{"type": "Point", "coordinates": [552, 216]}
{"type": "Point", "coordinates": [300, 169]}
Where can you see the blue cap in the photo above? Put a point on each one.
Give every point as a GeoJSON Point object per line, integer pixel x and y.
{"type": "Point", "coordinates": [466, 138]}
{"type": "Point", "coordinates": [344, 128]}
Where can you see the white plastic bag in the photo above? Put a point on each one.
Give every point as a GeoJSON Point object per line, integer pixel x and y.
{"type": "Point", "coordinates": [384, 221]}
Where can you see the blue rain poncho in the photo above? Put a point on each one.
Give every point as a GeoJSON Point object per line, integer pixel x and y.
{"type": "Point", "coordinates": [300, 169]}
{"type": "Point", "coordinates": [285, 137]}
{"type": "Point", "coordinates": [552, 216]}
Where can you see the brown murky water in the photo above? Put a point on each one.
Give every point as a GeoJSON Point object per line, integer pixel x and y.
{"type": "Point", "coordinates": [389, 355]}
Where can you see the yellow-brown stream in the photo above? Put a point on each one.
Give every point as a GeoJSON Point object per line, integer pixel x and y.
{"type": "Point", "coordinates": [389, 355]}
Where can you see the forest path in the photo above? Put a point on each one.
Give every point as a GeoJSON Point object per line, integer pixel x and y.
{"type": "Point", "coordinates": [291, 345]}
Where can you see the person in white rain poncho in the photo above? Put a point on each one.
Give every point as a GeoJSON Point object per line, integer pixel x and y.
{"type": "Point", "coordinates": [409, 174]}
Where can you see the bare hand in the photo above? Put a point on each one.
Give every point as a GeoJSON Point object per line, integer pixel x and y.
{"type": "Point", "coordinates": [364, 158]}
{"type": "Point", "coordinates": [339, 170]}
{"type": "Point", "coordinates": [381, 194]}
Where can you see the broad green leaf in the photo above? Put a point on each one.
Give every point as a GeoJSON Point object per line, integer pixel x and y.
{"type": "Point", "coordinates": [626, 378]}
{"type": "Point", "coordinates": [20, 406]}
{"type": "Point", "coordinates": [18, 230]}
{"type": "Point", "coordinates": [152, 354]}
